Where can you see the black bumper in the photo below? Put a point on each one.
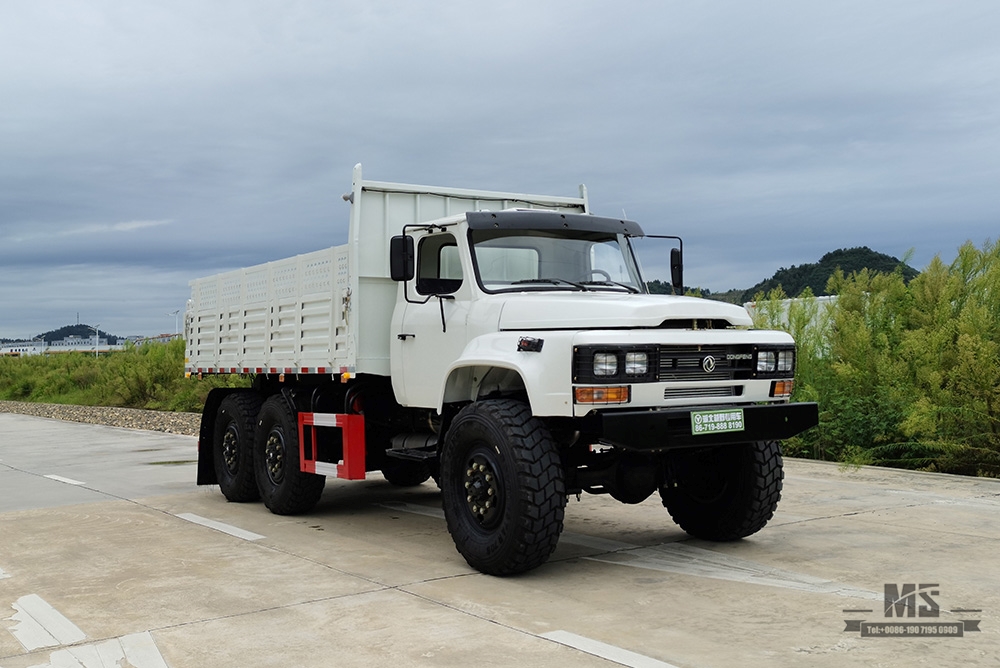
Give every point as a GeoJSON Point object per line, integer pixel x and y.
{"type": "Point", "coordinates": [672, 428]}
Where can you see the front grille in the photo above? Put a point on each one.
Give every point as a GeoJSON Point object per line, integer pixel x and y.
{"type": "Point", "coordinates": [688, 392]}
{"type": "Point", "coordinates": [668, 363]}
{"type": "Point", "coordinates": [688, 363]}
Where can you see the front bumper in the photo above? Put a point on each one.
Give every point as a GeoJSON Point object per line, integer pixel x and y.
{"type": "Point", "coordinates": [667, 429]}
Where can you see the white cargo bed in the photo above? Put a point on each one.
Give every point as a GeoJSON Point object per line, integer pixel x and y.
{"type": "Point", "coordinates": [279, 317]}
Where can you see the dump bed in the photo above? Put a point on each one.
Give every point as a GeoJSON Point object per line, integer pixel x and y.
{"type": "Point", "coordinates": [327, 312]}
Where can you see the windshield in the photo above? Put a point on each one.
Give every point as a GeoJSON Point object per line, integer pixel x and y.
{"type": "Point", "coordinates": [515, 260]}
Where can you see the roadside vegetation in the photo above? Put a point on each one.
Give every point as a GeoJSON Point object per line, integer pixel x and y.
{"type": "Point", "coordinates": [149, 376]}
{"type": "Point", "coordinates": [906, 374]}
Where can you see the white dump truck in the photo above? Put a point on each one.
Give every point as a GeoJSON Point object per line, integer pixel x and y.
{"type": "Point", "coordinates": [505, 345]}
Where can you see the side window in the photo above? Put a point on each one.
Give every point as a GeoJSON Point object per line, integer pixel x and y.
{"type": "Point", "coordinates": [439, 268]}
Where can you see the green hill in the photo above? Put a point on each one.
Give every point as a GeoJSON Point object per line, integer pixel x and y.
{"type": "Point", "coordinates": [795, 279]}
{"type": "Point", "coordinates": [82, 331]}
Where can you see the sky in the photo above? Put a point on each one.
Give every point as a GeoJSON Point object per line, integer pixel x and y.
{"type": "Point", "coordinates": [145, 144]}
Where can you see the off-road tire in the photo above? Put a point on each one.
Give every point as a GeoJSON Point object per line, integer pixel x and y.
{"type": "Point", "coordinates": [404, 472]}
{"type": "Point", "coordinates": [285, 489]}
{"type": "Point", "coordinates": [232, 446]}
{"type": "Point", "coordinates": [502, 486]}
{"type": "Point", "coordinates": [725, 493]}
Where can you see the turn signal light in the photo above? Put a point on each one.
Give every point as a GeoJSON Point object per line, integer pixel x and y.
{"type": "Point", "coordinates": [782, 388]}
{"type": "Point", "coordinates": [618, 394]}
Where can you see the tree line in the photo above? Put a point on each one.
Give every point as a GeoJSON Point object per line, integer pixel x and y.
{"type": "Point", "coordinates": [906, 373]}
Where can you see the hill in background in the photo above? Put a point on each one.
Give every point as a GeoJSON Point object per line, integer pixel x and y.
{"type": "Point", "coordinates": [813, 275]}
{"type": "Point", "coordinates": [82, 331]}
{"type": "Point", "coordinates": [795, 279]}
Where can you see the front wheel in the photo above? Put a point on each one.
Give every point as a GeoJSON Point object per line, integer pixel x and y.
{"type": "Point", "coordinates": [284, 487]}
{"type": "Point", "coordinates": [725, 493]}
{"type": "Point", "coordinates": [503, 490]}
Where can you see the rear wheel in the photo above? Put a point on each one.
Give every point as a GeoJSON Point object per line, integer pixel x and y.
{"type": "Point", "coordinates": [284, 487]}
{"type": "Point", "coordinates": [232, 446]}
{"type": "Point", "coordinates": [725, 493]}
{"type": "Point", "coordinates": [503, 489]}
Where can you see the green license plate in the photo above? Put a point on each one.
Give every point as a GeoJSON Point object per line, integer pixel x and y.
{"type": "Point", "coordinates": [717, 421]}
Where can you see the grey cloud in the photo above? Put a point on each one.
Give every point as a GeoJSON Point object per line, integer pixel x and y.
{"type": "Point", "coordinates": [765, 134]}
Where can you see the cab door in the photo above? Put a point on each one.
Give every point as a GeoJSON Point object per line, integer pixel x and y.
{"type": "Point", "coordinates": [430, 324]}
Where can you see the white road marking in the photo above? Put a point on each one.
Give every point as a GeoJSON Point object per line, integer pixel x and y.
{"type": "Point", "coordinates": [40, 625]}
{"type": "Point", "coordinates": [68, 481]}
{"type": "Point", "coordinates": [690, 560]}
{"type": "Point", "coordinates": [685, 560]}
{"type": "Point", "coordinates": [219, 526]}
{"type": "Point", "coordinates": [595, 543]}
{"type": "Point", "coordinates": [605, 651]}
{"type": "Point", "coordinates": [3, 574]}
{"type": "Point", "coordinates": [436, 513]}
{"type": "Point", "coordinates": [141, 651]}
{"type": "Point", "coordinates": [138, 650]}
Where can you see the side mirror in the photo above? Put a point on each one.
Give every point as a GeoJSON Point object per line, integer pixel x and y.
{"type": "Point", "coordinates": [401, 258]}
{"type": "Point", "coordinates": [677, 270]}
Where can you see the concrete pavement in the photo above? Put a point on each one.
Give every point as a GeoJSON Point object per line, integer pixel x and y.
{"type": "Point", "coordinates": [111, 556]}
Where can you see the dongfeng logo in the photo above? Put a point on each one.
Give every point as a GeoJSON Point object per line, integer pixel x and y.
{"type": "Point", "coordinates": [708, 364]}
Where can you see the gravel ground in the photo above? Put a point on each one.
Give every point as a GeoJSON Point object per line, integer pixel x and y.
{"type": "Point", "coordinates": [130, 418]}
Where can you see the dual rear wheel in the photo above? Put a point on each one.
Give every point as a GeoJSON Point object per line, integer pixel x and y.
{"type": "Point", "coordinates": [256, 455]}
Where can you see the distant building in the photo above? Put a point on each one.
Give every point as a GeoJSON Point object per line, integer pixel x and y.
{"type": "Point", "coordinates": [23, 348]}
{"type": "Point", "coordinates": [160, 338]}
{"type": "Point", "coordinates": [824, 306]}
{"type": "Point", "coordinates": [69, 344]}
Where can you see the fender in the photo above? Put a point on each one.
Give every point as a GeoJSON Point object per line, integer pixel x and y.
{"type": "Point", "coordinates": [493, 362]}
{"type": "Point", "coordinates": [206, 432]}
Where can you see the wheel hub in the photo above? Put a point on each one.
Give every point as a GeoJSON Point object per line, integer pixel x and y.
{"type": "Point", "coordinates": [274, 457]}
{"type": "Point", "coordinates": [231, 449]}
{"type": "Point", "coordinates": [482, 491]}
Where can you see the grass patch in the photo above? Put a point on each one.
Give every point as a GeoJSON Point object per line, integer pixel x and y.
{"type": "Point", "coordinates": [150, 376]}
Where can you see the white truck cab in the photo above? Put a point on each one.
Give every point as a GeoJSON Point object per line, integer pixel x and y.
{"type": "Point", "coordinates": [506, 345]}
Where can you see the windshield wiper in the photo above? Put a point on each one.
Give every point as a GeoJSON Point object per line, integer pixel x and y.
{"type": "Point", "coordinates": [553, 281]}
{"type": "Point", "coordinates": [630, 288]}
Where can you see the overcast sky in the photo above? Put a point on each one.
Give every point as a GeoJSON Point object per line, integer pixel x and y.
{"type": "Point", "coordinates": [143, 144]}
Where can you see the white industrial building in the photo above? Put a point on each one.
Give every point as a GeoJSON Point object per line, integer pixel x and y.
{"type": "Point", "coordinates": [69, 344]}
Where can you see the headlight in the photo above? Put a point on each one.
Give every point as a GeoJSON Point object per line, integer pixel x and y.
{"type": "Point", "coordinates": [786, 360]}
{"type": "Point", "coordinates": [608, 363]}
{"type": "Point", "coordinates": [605, 364]}
{"type": "Point", "coordinates": [767, 361]}
{"type": "Point", "coordinates": [636, 364]}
